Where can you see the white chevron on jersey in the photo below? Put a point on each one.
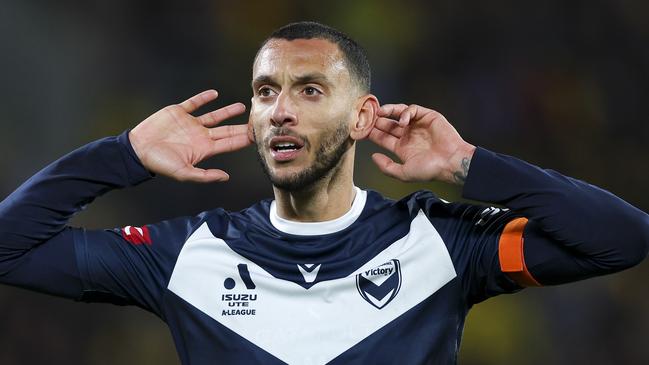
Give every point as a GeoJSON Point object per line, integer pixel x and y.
{"type": "Point", "coordinates": [309, 272]}
{"type": "Point", "coordinates": [289, 321]}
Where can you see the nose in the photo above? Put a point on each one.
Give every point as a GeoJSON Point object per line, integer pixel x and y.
{"type": "Point", "coordinates": [284, 112]}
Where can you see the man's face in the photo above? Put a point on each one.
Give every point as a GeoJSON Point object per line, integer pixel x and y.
{"type": "Point", "coordinates": [302, 105]}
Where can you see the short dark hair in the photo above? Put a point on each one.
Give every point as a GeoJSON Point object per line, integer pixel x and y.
{"type": "Point", "coordinates": [354, 55]}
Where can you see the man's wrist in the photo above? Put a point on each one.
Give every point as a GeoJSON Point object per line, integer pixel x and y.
{"type": "Point", "coordinates": [134, 165]}
{"type": "Point", "coordinates": [460, 163]}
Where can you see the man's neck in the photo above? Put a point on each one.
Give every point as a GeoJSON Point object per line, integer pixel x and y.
{"type": "Point", "coordinates": [327, 199]}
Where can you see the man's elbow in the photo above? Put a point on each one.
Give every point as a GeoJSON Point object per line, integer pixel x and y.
{"type": "Point", "coordinates": [635, 243]}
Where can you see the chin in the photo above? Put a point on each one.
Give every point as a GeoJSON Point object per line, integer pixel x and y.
{"type": "Point", "coordinates": [296, 180]}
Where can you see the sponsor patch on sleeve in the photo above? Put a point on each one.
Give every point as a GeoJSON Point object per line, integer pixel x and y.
{"type": "Point", "coordinates": [136, 235]}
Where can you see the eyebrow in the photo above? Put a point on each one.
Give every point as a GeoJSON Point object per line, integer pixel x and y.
{"type": "Point", "coordinates": [314, 77]}
{"type": "Point", "coordinates": [263, 80]}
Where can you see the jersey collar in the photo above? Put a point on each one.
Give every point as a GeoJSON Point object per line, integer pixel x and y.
{"type": "Point", "coordinates": [320, 228]}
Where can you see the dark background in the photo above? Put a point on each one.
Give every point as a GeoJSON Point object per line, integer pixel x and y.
{"type": "Point", "coordinates": [562, 84]}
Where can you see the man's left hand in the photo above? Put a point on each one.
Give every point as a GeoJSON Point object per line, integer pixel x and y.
{"type": "Point", "coordinates": [429, 148]}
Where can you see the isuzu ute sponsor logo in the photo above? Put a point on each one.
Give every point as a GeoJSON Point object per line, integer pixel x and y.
{"type": "Point", "coordinates": [136, 235]}
{"type": "Point", "coordinates": [378, 286]}
{"type": "Point", "coordinates": [239, 304]}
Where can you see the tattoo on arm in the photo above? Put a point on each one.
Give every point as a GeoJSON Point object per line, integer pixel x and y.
{"type": "Point", "coordinates": [459, 176]}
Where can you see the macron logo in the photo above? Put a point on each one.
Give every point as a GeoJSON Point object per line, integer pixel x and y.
{"type": "Point", "coordinates": [309, 272]}
{"type": "Point", "coordinates": [136, 235]}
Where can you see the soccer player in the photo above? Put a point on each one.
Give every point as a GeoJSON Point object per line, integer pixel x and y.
{"type": "Point", "coordinates": [326, 272]}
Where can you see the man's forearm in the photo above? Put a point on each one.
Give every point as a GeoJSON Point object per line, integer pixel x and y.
{"type": "Point", "coordinates": [42, 206]}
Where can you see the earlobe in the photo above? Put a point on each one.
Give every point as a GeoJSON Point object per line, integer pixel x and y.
{"type": "Point", "coordinates": [367, 114]}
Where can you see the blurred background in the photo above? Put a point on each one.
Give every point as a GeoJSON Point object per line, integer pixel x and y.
{"type": "Point", "coordinates": [562, 84]}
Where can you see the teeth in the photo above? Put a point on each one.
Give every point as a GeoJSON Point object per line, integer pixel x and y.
{"type": "Point", "coordinates": [285, 146]}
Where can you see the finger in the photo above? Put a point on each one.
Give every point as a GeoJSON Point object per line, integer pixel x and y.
{"type": "Point", "coordinates": [231, 144]}
{"type": "Point", "coordinates": [228, 131]}
{"type": "Point", "coordinates": [388, 166]}
{"type": "Point", "coordinates": [408, 114]}
{"type": "Point", "coordinates": [391, 110]}
{"type": "Point", "coordinates": [383, 139]}
{"type": "Point", "coordinates": [217, 116]}
{"type": "Point", "coordinates": [389, 126]}
{"type": "Point", "coordinates": [415, 113]}
{"type": "Point", "coordinates": [198, 100]}
{"type": "Point", "coordinates": [191, 173]}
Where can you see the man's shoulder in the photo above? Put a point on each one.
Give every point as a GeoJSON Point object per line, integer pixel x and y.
{"type": "Point", "coordinates": [220, 219]}
{"type": "Point", "coordinates": [415, 201]}
{"type": "Point", "coordinates": [428, 203]}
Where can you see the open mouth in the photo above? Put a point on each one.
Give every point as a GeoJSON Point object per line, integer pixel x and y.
{"type": "Point", "coordinates": [285, 148]}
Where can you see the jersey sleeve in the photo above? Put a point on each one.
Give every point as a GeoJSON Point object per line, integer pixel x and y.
{"type": "Point", "coordinates": [38, 251]}
{"type": "Point", "coordinates": [130, 265]}
{"type": "Point", "coordinates": [554, 230]}
{"type": "Point", "coordinates": [565, 229]}
{"type": "Point", "coordinates": [123, 266]}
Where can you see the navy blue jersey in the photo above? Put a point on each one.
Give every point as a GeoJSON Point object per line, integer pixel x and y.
{"type": "Point", "coordinates": [388, 282]}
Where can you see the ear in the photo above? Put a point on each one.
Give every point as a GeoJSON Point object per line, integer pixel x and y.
{"type": "Point", "coordinates": [367, 107]}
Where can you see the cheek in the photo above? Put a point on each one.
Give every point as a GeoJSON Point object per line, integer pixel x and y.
{"type": "Point", "coordinates": [258, 133]}
{"type": "Point", "coordinates": [339, 109]}
{"type": "Point", "coordinates": [256, 122]}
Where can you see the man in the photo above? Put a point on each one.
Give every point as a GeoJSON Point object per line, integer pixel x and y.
{"type": "Point", "coordinates": [325, 272]}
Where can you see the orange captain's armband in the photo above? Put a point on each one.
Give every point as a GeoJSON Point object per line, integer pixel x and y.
{"type": "Point", "coordinates": [511, 254]}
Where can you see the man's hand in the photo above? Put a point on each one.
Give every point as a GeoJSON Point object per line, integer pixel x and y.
{"type": "Point", "coordinates": [425, 142]}
{"type": "Point", "coordinates": [172, 141]}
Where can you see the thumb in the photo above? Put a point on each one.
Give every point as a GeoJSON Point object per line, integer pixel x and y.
{"type": "Point", "coordinates": [388, 166]}
{"type": "Point", "coordinates": [195, 174]}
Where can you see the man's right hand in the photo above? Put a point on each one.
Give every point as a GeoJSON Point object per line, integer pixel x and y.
{"type": "Point", "coordinates": [172, 141]}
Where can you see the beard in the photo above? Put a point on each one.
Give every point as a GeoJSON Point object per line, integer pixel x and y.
{"type": "Point", "coordinates": [327, 159]}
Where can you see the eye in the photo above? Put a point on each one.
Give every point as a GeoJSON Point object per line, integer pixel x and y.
{"type": "Point", "coordinates": [265, 91]}
{"type": "Point", "coordinates": [311, 91]}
